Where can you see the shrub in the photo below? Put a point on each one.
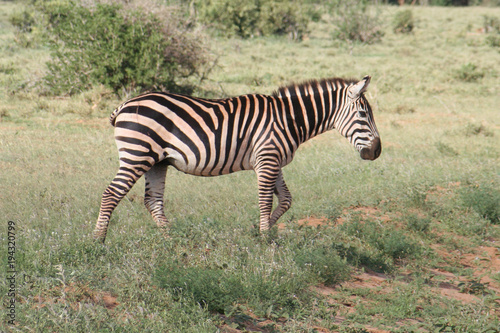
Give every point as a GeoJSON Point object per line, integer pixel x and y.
{"type": "Point", "coordinates": [219, 290]}
{"type": "Point", "coordinates": [25, 22]}
{"type": "Point", "coordinates": [208, 287]}
{"type": "Point", "coordinates": [491, 24]}
{"type": "Point", "coordinates": [355, 22]}
{"type": "Point", "coordinates": [484, 200]}
{"type": "Point", "coordinates": [258, 17]}
{"type": "Point", "coordinates": [493, 40]}
{"type": "Point", "coordinates": [417, 223]}
{"type": "Point", "coordinates": [325, 263]}
{"type": "Point", "coordinates": [449, 2]}
{"type": "Point", "coordinates": [403, 22]}
{"type": "Point", "coordinates": [121, 48]}
{"type": "Point", "coordinates": [390, 242]}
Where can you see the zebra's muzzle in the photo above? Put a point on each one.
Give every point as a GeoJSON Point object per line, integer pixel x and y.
{"type": "Point", "coordinates": [373, 152]}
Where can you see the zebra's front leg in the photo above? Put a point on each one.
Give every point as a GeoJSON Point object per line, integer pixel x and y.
{"type": "Point", "coordinates": [155, 189]}
{"type": "Point", "coordinates": [284, 198]}
{"type": "Point", "coordinates": [267, 176]}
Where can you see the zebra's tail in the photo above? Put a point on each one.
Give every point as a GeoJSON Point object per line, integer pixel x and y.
{"type": "Point", "coordinates": [113, 115]}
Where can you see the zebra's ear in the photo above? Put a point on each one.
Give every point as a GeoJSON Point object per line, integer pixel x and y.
{"type": "Point", "coordinates": [357, 89]}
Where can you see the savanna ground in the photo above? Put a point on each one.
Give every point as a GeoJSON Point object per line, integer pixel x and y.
{"type": "Point", "coordinates": [407, 243]}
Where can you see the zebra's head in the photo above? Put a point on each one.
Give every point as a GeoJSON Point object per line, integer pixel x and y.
{"type": "Point", "coordinates": [356, 122]}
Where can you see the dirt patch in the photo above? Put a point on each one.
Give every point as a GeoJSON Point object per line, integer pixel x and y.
{"type": "Point", "coordinates": [309, 221]}
{"type": "Point", "coordinates": [248, 322]}
{"type": "Point", "coordinates": [73, 295]}
{"type": "Point", "coordinates": [314, 221]}
{"type": "Point", "coordinates": [372, 213]}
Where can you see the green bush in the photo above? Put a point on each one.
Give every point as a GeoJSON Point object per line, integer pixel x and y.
{"type": "Point", "coordinates": [355, 22]}
{"type": "Point", "coordinates": [449, 2]}
{"type": "Point", "coordinates": [208, 287]}
{"type": "Point", "coordinates": [493, 40]}
{"type": "Point", "coordinates": [219, 290]}
{"type": "Point", "coordinates": [417, 223]}
{"type": "Point", "coordinates": [325, 263]}
{"type": "Point", "coordinates": [390, 242]}
{"type": "Point", "coordinates": [27, 32]}
{"type": "Point", "coordinates": [256, 17]}
{"type": "Point", "coordinates": [484, 200]}
{"type": "Point", "coordinates": [491, 24]}
{"type": "Point", "coordinates": [23, 20]}
{"type": "Point", "coordinates": [121, 48]}
{"type": "Point", "coordinates": [403, 22]}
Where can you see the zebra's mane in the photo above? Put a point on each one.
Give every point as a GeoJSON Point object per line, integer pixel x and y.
{"type": "Point", "coordinates": [291, 90]}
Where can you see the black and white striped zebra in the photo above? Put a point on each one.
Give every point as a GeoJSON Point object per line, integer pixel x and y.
{"type": "Point", "coordinates": [206, 137]}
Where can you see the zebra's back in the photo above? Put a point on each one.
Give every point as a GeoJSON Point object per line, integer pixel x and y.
{"type": "Point", "coordinates": [197, 136]}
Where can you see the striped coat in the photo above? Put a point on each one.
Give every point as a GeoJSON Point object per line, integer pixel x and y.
{"type": "Point", "coordinates": [206, 137]}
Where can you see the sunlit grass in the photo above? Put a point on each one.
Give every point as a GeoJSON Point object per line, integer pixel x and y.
{"type": "Point", "coordinates": [433, 187]}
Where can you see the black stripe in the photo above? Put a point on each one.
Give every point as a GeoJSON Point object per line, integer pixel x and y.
{"type": "Point", "coordinates": [309, 109]}
{"type": "Point", "coordinates": [169, 126]}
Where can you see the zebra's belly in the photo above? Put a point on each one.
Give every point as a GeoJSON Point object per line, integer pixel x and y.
{"type": "Point", "coordinates": [193, 165]}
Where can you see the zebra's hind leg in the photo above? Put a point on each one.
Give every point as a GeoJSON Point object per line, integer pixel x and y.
{"type": "Point", "coordinates": [155, 189]}
{"type": "Point", "coordinates": [284, 198]}
{"type": "Point", "coordinates": [114, 193]}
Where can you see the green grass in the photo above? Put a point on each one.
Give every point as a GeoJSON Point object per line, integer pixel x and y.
{"type": "Point", "coordinates": [431, 197]}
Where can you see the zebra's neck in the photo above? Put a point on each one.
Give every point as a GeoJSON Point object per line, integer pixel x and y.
{"type": "Point", "coordinates": [310, 109]}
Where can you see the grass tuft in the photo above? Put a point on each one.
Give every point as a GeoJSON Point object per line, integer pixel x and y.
{"type": "Point", "coordinates": [484, 200]}
{"type": "Point", "coordinates": [469, 72]}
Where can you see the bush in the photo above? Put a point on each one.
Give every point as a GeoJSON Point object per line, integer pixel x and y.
{"type": "Point", "coordinates": [121, 48]}
{"type": "Point", "coordinates": [449, 2]}
{"type": "Point", "coordinates": [208, 287]}
{"type": "Point", "coordinates": [325, 263]}
{"type": "Point", "coordinates": [219, 290]}
{"type": "Point", "coordinates": [484, 200]}
{"type": "Point", "coordinates": [493, 40]}
{"type": "Point", "coordinates": [417, 223]}
{"type": "Point", "coordinates": [258, 17]}
{"type": "Point", "coordinates": [403, 22]}
{"type": "Point", "coordinates": [392, 243]}
{"type": "Point", "coordinates": [491, 24]}
{"type": "Point", "coordinates": [25, 22]}
{"type": "Point", "coordinates": [354, 21]}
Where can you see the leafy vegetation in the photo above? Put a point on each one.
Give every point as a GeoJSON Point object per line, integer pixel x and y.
{"type": "Point", "coordinates": [403, 22]}
{"type": "Point", "coordinates": [252, 18]}
{"type": "Point", "coordinates": [484, 200]}
{"type": "Point", "coordinates": [408, 242]}
{"type": "Point", "coordinates": [355, 21]}
{"type": "Point", "coordinates": [123, 48]}
{"type": "Point", "coordinates": [469, 73]}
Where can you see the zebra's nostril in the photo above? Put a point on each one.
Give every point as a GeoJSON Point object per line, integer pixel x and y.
{"type": "Point", "coordinates": [373, 152]}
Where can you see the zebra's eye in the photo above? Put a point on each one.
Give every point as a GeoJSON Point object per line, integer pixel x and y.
{"type": "Point", "coordinates": [361, 114]}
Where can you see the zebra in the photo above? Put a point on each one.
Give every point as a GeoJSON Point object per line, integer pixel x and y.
{"type": "Point", "coordinates": [212, 137]}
